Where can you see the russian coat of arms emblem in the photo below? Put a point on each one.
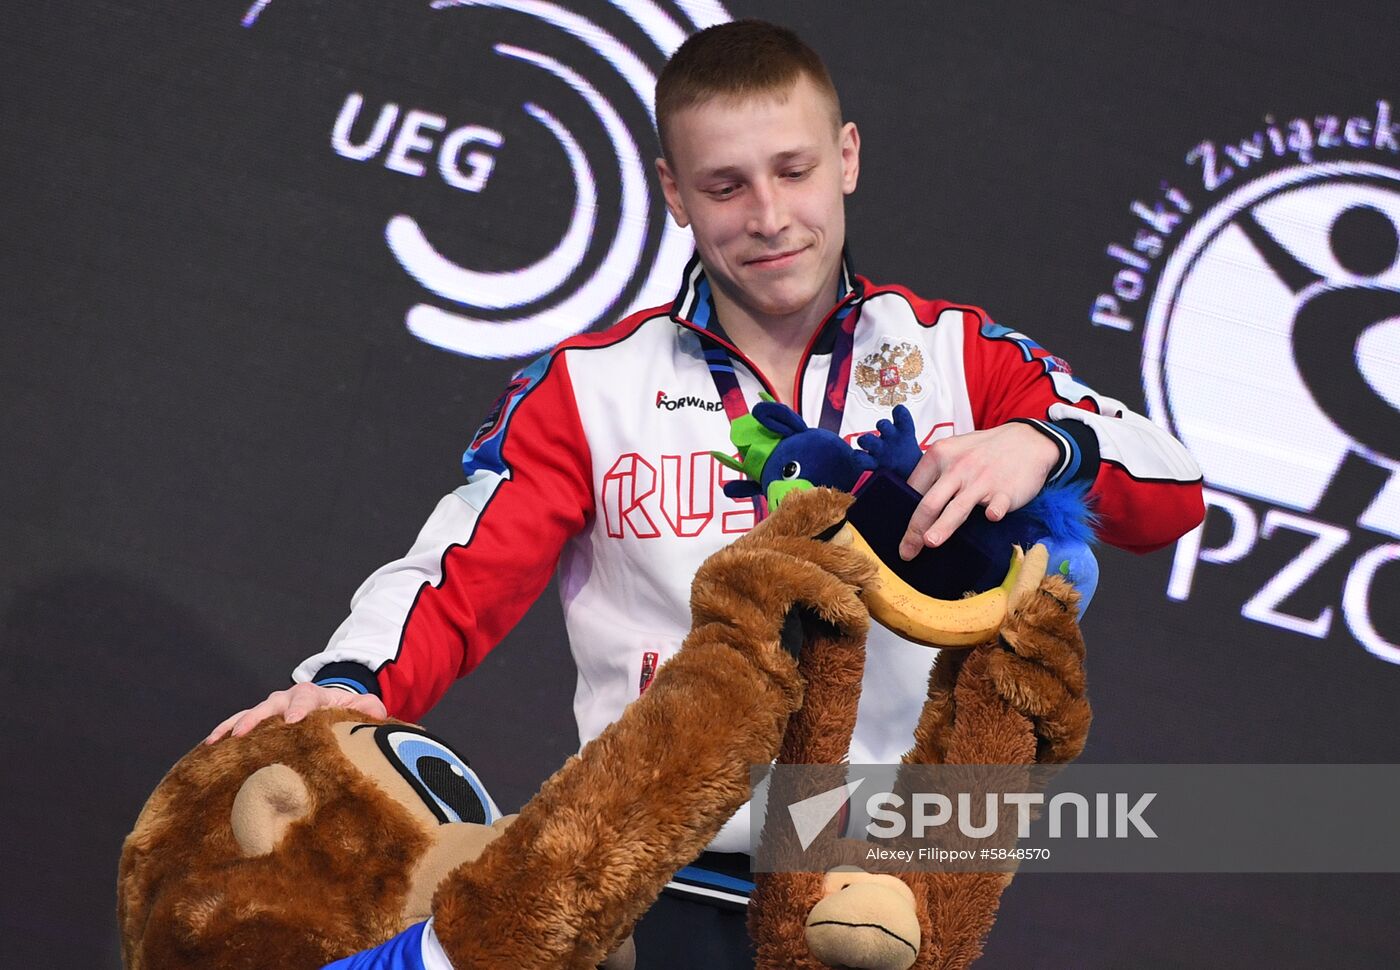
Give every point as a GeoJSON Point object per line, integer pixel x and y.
{"type": "Point", "coordinates": [888, 376]}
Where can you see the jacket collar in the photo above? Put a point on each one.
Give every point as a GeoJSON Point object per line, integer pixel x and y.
{"type": "Point", "coordinates": [694, 306]}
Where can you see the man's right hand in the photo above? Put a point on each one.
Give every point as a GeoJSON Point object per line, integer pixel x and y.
{"type": "Point", "coordinates": [295, 703]}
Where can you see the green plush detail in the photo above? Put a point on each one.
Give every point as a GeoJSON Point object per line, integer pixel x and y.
{"type": "Point", "coordinates": [780, 489]}
{"type": "Point", "coordinates": [1064, 568]}
{"type": "Point", "coordinates": [755, 444]}
{"type": "Point", "coordinates": [724, 459]}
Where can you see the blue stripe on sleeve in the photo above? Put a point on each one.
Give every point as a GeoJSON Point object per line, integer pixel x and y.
{"type": "Point", "coordinates": [717, 879]}
{"type": "Point", "coordinates": [484, 453]}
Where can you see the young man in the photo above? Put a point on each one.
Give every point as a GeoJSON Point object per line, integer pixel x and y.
{"type": "Point", "coordinates": [584, 465]}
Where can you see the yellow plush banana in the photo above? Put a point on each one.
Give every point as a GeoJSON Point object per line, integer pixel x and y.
{"type": "Point", "coordinates": [895, 604]}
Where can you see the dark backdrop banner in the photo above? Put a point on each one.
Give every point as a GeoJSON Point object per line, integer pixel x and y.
{"type": "Point", "coordinates": [267, 265]}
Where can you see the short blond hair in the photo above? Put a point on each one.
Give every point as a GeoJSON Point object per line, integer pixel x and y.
{"type": "Point", "coordinates": [742, 59]}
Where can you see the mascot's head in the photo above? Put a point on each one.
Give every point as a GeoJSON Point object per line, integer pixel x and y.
{"type": "Point", "coordinates": [297, 845]}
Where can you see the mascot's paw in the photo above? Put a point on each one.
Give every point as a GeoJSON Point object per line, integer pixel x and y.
{"type": "Point", "coordinates": [1040, 670]}
{"type": "Point", "coordinates": [895, 444]}
{"type": "Point", "coordinates": [786, 564]}
{"type": "Point", "coordinates": [864, 920]}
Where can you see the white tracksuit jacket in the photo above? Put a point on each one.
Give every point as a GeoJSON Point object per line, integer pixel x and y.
{"type": "Point", "coordinates": [596, 461]}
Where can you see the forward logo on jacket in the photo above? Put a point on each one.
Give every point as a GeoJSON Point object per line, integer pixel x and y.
{"type": "Point", "coordinates": [689, 401]}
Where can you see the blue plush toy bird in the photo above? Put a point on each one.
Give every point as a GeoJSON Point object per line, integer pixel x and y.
{"type": "Point", "coordinates": [779, 453]}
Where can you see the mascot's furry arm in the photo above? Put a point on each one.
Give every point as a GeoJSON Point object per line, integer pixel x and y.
{"type": "Point", "coordinates": [337, 838]}
{"type": "Point", "coordinates": [589, 854]}
{"type": "Point", "coordinates": [1017, 698]}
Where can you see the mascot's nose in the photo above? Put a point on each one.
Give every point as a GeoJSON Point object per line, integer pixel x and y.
{"type": "Point", "coordinates": [865, 920]}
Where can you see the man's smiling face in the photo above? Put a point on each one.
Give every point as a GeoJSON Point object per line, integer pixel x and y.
{"type": "Point", "coordinates": [761, 181]}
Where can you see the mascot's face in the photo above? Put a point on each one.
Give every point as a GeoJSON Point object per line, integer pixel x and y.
{"type": "Point", "coordinates": [438, 789]}
{"type": "Point", "coordinates": [297, 844]}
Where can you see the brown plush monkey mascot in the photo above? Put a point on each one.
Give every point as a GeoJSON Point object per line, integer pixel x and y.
{"type": "Point", "coordinates": [303, 844]}
{"type": "Point", "coordinates": [299, 845]}
{"type": "Point", "coordinates": [1017, 699]}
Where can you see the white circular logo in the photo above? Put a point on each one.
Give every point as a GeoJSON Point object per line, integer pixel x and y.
{"type": "Point", "coordinates": [632, 252]}
{"type": "Point", "coordinates": [1272, 344]}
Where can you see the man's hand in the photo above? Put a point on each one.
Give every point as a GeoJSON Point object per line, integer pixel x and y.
{"type": "Point", "coordinates": [295, 703]}
{"type": "Point", "coordinates": [1002, 468]}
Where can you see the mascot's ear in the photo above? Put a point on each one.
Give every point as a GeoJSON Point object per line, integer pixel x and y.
{"type": "Point", "coordinates": [271, 799]}
{"type": "Point", "coordinates": [779, 418]}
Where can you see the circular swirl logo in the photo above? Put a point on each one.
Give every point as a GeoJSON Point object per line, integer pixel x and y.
{"type": "Point", "coordinates": [591, 81]}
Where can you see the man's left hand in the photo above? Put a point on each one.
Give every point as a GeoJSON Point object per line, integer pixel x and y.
{"type": "Point", "coordinates": [1002, 468]}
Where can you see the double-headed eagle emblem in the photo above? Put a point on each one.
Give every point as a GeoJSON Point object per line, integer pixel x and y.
{"type": "Point", "coordinates": [888, 376]}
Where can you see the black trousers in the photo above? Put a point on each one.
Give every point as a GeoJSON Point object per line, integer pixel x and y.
{"type": "Point", "coordinates": [687, 932]}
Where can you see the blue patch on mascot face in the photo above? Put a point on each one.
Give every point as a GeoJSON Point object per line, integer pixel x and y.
{"type": "Point", "coordinates": [440, 776]}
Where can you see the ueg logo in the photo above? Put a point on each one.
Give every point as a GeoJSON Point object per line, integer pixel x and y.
{"type": "Point", "coordinates": [631, 254]}
{"type": "Point", "coordinates": [1268, 301]}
